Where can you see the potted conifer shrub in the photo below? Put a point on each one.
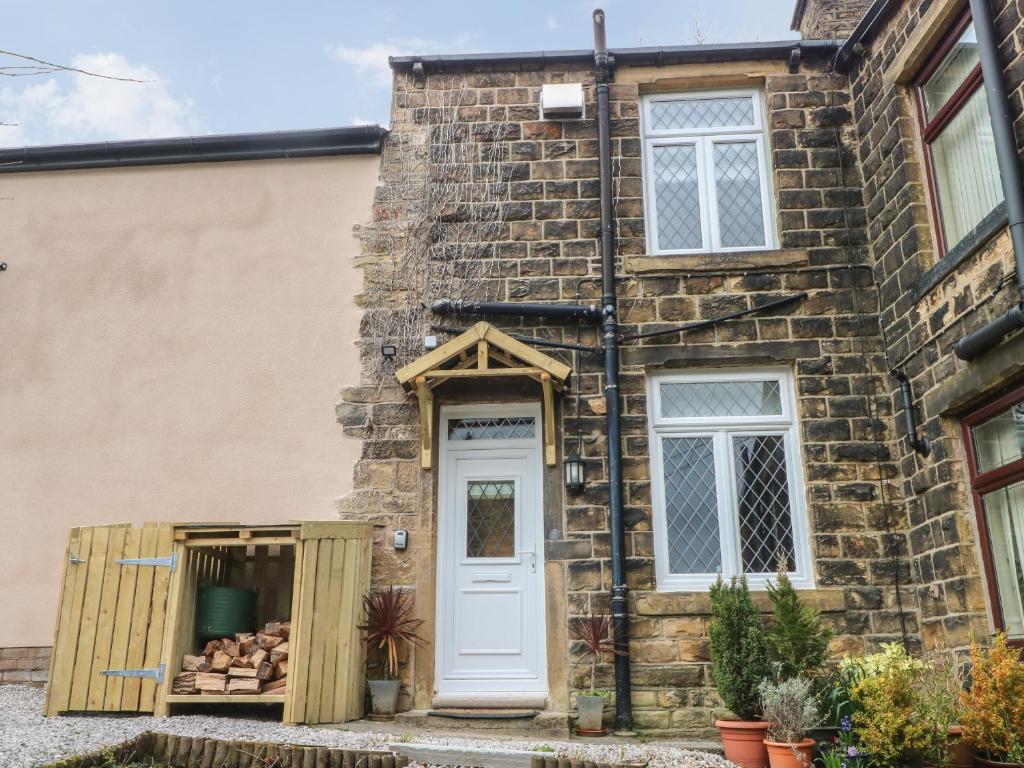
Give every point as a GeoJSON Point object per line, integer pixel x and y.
{"type": "Point", "coordinates": [993, 718]}
{"type": "Point", "coordinates": [791, 711]}
{"type": "Point", "coordinates": [740, 661]}
{"type": "Point", "coordinates": [797, 638]}
{"type": "Point", "coordinates": [389, 621]}
{"type": "Point", "coordinates": [592, 642]}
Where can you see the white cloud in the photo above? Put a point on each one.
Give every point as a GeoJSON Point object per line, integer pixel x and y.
{"type": "Point", "coordinates": [371, 61]}
{"type": "Point", "coordinates": [75, 107]}
{"type": "Point", "coordinates": [552, 22]}
{"type": "Point", "coordinates": [360, 120]}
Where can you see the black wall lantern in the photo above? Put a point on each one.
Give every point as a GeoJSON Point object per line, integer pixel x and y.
{"type": "Point", "coordinates": [573, 472]}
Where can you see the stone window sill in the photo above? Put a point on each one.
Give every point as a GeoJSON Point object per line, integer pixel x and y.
{"type": "Point", "coordinates": [987, 228]}
{"type": "Point", "coordinates": [699, 603]}
{"type": "Point", "coordinates": [734, 261]}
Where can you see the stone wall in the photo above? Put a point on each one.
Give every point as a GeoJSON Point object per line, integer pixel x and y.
{"type": "Point", "coordinates": [545, 249]}
{"type": "Point", "coordinates": [928, 303]}
{"type": "Point", "coordinates": [828, 19]}
{"type": "Point", "coordinates": [24, 665]}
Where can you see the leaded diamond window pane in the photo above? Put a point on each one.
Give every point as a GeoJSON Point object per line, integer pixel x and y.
{"type": "Point", "coordinates": [681, 400]}
{"type": "Point", "coordinates": [691, 505]}
{"type": "Point", "coordinates": [702, 113]}
{"type": "Point", "coordinates": [490, 518]}
{"type": "Point", "coordinates": [512, 428]}
{"type": "Point", "coordinates": [738, 187]}
{"type": "Point", "coordinates": [762, 495]}
{"type": "Point", "coordinates": [677, 197]}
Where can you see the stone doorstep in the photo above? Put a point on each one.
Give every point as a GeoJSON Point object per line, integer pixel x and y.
{"type": "Point", "coordinates": [552, 724]}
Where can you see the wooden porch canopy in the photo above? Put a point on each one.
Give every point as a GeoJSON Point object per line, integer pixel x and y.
{"type": "Point", "coordinates": [482, 352]}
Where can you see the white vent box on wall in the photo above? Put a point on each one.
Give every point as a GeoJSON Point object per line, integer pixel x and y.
{"type": "Point", "coordinates": [561, 101]}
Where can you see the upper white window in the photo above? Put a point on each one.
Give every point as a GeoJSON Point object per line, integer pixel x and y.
{"type": "Point", "coordinates": [707, 179]}
{"type": "Point", "coordinates": [726, 479]}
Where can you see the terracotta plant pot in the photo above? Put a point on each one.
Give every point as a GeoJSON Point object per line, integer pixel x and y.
{"type": "Point", "coordinates": [961, 754]}
{"type": "Point", "coordinates": [383, 699]}
{"type": "Point", "coordinates": [591, 712]}
{"type": "Point", "coordinates": [743, 742]}
{"type": "Point", "coordinates": [783, 755]}
{"type": "Point", "coordinates": [984, 762]}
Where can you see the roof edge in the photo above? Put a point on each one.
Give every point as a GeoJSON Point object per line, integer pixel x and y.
{"type": "Point", "coordinates": [873, 20]}
{"type": "Point", "coordinates": [318, 142]}
{"type": "Point", "coordinates": [798, 15]}
{"type": "Point", "coordinates": [673, 54]}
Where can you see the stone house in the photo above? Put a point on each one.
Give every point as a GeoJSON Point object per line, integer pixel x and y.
{"type": "Point", "coordinates": [791, 223]}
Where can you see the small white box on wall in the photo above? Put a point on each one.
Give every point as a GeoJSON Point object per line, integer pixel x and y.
{"type": "Point", "coordinates": [561, 101]}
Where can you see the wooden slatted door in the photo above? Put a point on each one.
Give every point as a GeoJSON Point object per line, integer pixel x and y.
{"type": "Point", "coordinates": [110, 621]}
{"type": "Point", "coordinates": [327, 661]}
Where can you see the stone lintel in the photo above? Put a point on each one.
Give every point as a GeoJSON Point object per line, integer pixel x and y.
{"type": "Point", "coordinates": [746, 353]}
{"type": "Point", "coordinates": [983, 376]}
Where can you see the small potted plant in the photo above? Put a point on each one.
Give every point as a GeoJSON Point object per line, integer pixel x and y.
{"type": "Point", "coordinates": [942, 685]}
{"type": "Point", "coordinates": [993, 718]}
{"type": "Point", "coordinates": [389, 621]}
{"type": "Point", "coordinates": [790, 709]}
{"type": "Point", "coordinates": [592, 643]}
{"type": "Point", "coordinates": [740, 661]}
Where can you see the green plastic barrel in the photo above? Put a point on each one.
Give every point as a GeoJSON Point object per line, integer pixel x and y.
{"type": "Point", "coordinates": [223, 611]}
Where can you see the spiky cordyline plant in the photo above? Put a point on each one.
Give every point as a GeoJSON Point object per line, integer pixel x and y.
{"type": "Point", "coordinates": [389, 620]}
{"type": "Point", "coordinates": [594, 635]}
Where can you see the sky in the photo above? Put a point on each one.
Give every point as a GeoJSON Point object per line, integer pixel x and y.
{"type": "Point", "coordinates": [226, 66]}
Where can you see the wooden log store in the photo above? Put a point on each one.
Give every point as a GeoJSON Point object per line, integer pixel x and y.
{"type": "Point", "coordinates": [127, 637]}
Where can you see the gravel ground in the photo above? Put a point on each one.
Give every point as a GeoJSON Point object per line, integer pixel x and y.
{"type": "Point", "coordinates": [28, 739]}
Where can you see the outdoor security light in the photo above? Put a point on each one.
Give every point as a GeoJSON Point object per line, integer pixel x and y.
{"type": "Point", "coordinates": [573, 472]}
{"type": "Point", "coordinates": [388, 351]}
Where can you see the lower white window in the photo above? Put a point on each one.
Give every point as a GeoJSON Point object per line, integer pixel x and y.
{"type": "Point", "coordinates": [726, 479]}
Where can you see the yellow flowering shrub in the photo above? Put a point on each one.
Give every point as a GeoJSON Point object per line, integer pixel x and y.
{"type": "Point", "coordinates": [889, 712]}
{"type": "Point", "coordinates": [993, 718]}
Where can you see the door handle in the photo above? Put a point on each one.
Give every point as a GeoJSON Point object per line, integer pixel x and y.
{"type": "Point", "coordinates": [533, 558]}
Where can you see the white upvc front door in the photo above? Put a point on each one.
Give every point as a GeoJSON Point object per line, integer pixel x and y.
{"type": "Point", "coordinates": [490, 581]}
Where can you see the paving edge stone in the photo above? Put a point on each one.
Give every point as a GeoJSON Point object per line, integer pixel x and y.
{"type": "Point", "coordinates": [203, 752]}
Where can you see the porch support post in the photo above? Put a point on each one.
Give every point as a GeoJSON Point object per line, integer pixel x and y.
{"type": "Point", "coordinates": [426, 398]}
{"type": "Point", "coordinates": [549, 420]}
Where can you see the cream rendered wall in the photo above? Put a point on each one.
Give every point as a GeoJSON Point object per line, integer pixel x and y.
{"type": "Point", "coordinates": [174, 339]}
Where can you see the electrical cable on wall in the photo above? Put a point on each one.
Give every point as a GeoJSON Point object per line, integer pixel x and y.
{"type": "Point", "coordinates": [873, 415]}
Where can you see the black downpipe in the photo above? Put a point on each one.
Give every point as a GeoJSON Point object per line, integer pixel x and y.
{"type": "Point", "coordinates": [919, 444]}
{"type": "Point", "coordinates": [573, 311]}
{"type": "Point", "coordinates": [984, 339]}
{"type": "Point", "coordinates": [610, 338]}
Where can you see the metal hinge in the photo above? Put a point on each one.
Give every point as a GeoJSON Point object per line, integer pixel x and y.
{"type": "Point", "coordinates": [171, 561]}
{"type": "Point", "coordinates": [150, 674]}
{"type": "Point", "coordinates": [74, 559]}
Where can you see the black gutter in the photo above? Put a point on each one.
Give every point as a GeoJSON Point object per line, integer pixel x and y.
{"type": "Point", "coordinates": [610, 339]}
{"type": "Point", "coordinates": [873, 21]}
{"type": "Point", "coordinates": [1010, 175]}
{"type": "Point", "coordinates": [560, 311]}
{"type": "Point", "coordinates": [654, 55]}
{"type": "Point", "coordinates": [359, 139]}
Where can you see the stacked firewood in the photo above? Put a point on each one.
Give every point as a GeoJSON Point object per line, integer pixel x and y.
{"type": "Point", "coordinates": [248, 664]}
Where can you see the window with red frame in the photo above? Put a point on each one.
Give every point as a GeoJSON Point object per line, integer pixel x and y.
{"type": "Point", "coordinates": [995, 443]}
{"type": "Point", "coordinates": [960, 153]}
